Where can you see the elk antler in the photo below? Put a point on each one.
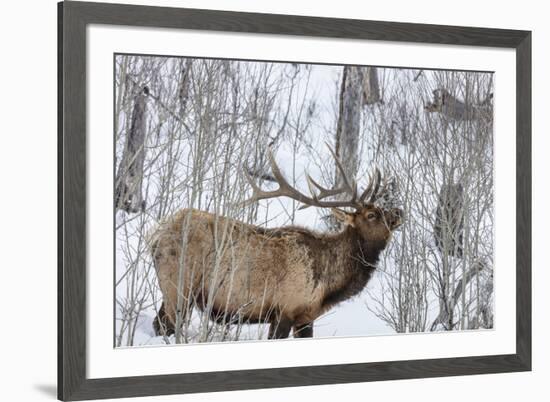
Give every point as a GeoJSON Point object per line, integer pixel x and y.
{"type": "Point", "coordinates": [378, 191]}
{"type": "Point", "coordinates": [351, 188]}
{"type": "Point", "coordinates": [316, 199]}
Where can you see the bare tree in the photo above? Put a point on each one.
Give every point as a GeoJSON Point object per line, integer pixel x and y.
{"type": "Point", "coordinates": [349, 121]}
{"type": "Point", "coordinates": [449, 220]}
{"type": "Point", "coordinates": [371, 86]}
{"type": "Point", "coordinates": [130, 171]}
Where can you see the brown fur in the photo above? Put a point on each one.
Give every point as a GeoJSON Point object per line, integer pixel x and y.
{"type": "Point", "coordinates": [285, 276]}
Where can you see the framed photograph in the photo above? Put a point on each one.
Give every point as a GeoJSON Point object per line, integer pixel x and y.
{"type": "Point", "coordinates": [255, 201]}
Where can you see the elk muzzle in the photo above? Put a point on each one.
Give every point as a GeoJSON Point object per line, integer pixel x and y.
{"type": "Point", "coordinates": [394, 218]}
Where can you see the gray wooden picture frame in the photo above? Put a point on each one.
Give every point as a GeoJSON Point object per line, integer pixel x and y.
{"type": "Point", "coordinates": [73, 18]}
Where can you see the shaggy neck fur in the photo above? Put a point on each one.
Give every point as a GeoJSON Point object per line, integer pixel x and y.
{"type": "Point", "coordinates": [347, 264]}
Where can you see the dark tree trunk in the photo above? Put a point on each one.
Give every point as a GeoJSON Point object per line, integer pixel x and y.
{"type": "Point", "coordinates": [349, 122]}
{"type": "Point", "coordinates": [183, 90]}
{"type": "Point", "coordinates": [128, 193]}
{"type": "Point", "coordinates": [371, 88]}
{"type": "Point", "coordinates": [449, 221]}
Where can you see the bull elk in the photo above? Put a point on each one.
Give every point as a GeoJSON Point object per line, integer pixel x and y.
{"type": "Point", "coordinates": [286, 277]}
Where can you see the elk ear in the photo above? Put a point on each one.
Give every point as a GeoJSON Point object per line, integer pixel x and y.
{"type": "Point", "coordinates": [342, 216]}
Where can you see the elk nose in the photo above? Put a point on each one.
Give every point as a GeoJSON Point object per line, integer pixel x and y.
{"type": "Point", "coordinates": [396, 217]}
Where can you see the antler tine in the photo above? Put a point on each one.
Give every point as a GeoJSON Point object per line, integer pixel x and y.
{"type": "Point", "coordinates": [374, 195]}
{"type": "Point", "coordinates": [372, 189]}
{"type": "Point", "coordinates": [323, 192]}
{"type": "Point", "coordinates": [351, 188]}
{"type": "Point", "coordinates": [310, 185]}
{"type": "Point", "coordinates": [367, 190]}
{"type": "Point", "coordinates": [284, 186]}
{"type": "Point", "coordinates": [257, 192]}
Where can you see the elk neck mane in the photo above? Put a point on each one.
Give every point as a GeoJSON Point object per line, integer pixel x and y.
{"type": "Point", "coordinates": [348, 240]}
{"type": "Point", "coordinates": [343, 262]}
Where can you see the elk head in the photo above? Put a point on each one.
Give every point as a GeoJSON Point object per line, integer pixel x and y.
{"type": "Point", "coordinates": [371, 222]}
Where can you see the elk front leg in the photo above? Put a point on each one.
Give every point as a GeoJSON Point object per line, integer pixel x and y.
{"type": "Point", "coordinates": [165, 321]}
{"type": "Point", "coordinates": [303, 331]}
{"type": "Point", "coordinates": [163, 324]}
{"type": "Point", "coordinates": [279, 329]}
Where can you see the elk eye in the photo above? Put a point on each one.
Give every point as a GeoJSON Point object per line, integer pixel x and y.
{"type": "Point", "coordinates": [371, 215]}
